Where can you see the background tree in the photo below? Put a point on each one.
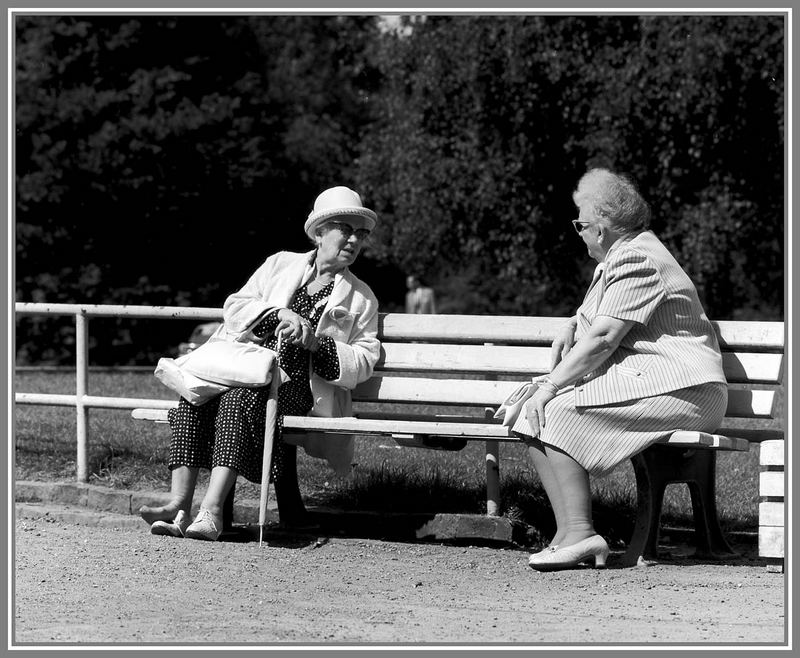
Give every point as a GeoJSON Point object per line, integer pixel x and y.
{"type": "Point", "coordinates": [159, 159]}
{"type": "Point", "coordinates": [485, 124]}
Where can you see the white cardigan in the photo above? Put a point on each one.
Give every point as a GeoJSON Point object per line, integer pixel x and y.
{"type": "Point", "coordinates": [350, 318]}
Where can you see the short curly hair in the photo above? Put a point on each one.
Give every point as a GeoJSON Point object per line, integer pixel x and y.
{"type": "Point", "coordinates": [322, 229]}
{"type": "Point", "coordinates": [614, 200]}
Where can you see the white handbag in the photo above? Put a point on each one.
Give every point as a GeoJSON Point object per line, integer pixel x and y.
{"type": "Point", "coordinates": [217, 366]}
{"type": "Point", "coordinates": [230, 364]}
{"type": "Point", "coordinates": [194, 389]}
{"type": "Point", "coordinates": [511, 407]}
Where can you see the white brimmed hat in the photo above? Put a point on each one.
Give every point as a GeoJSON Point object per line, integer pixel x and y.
{"type": "Point", "coordinates": [340, 202]}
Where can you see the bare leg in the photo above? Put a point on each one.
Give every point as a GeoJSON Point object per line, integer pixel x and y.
{"type": "Point", "coordinates": [184, 479]}
{"type": "Point", "coordinates": [576, 497]}
{"type": "Point", "coordinates": [552, 488]}
{"type": "Point", "coordinates": [222, 479]}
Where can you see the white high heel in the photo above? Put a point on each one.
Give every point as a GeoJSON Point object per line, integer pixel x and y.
{"type": "Point", "coordinates": [570, 556]}
{"type": "Point", "coordinates": [544, 551]}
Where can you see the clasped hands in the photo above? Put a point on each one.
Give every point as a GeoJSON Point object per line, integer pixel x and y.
{"type": "Point", "coordinates": [296, 329]}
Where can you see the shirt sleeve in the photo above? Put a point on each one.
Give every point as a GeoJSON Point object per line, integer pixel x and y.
{"type": "Point", "coordinates": [266, 326]}
{"type": "Point", "coordinates": [633, 288]}
{"type": "Point", "coordinates": [325, 360]}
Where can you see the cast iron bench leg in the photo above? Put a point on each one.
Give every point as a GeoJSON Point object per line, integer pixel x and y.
{"type": "Point", "coordinates": [702, 487]}
{"type": "Point", "coordinates": [657, 467]}
{"type": "Point", "coordinates": [649, 496]}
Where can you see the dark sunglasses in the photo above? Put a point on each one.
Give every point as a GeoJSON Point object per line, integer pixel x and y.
{"type": "Point", "coordinates": [346, 230]}
{"type": "Point", "coordinates": [579, 225]}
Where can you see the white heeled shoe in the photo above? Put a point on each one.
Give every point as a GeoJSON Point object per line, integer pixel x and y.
{"type": "Point", "coordinates": [544, 551]}
{"type": "Point", "coordinates": [571, 556]}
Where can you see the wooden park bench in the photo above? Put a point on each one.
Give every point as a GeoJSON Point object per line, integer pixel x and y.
{"type": "Point", "coordinates": [441, 377]}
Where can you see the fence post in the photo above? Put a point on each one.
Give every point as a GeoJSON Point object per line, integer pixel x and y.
{"type": "Point", "coordinates": [493, 478]}
{"type": "Point", "coordinates": [81, 390]}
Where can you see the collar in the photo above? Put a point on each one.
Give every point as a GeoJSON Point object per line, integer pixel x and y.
{"type": "Point", "coordinates": [620, 243]}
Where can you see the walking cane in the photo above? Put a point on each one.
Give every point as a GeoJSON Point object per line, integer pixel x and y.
{"type": "Point", "coordinates": [269, 442]}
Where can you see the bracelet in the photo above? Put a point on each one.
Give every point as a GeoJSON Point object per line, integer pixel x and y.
{"type": "Point", "coordinates": [549, 385]}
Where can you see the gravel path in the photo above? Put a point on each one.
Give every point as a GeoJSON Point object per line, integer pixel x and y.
{"type": "Point", "coordinates": [86, 584]}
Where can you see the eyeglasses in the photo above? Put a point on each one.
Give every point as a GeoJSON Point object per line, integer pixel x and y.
{"type": "Point", "coordinates": [579, 225]}
{"type": "Point", "coordinates": [346, 230]}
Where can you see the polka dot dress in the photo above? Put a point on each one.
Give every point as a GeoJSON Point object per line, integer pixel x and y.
{"type": "Point", "coordinates": [229, 430]}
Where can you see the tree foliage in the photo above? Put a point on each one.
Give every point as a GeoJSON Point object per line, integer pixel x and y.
{"type": "Point", "coordinates": [159, 159]}
{"type": "Point", "coordinates": [485, 125]}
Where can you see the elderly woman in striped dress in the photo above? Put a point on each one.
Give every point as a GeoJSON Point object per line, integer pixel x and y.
{"type": "Point", "coordinates": [637, 361]}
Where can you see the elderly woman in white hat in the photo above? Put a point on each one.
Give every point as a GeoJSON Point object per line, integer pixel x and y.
{"type": "Point", "coordinates": [328, 321]}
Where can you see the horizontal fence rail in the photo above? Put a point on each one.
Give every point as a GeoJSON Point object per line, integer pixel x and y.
{"type": "Point", "coordinates": [119, 310]}
{"type": "Point", "coordinates": [82, 401]}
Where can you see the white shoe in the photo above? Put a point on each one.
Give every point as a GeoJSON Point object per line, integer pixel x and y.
{"type": "Point", "coordinates": [571, 556]}
{"type": "Point", "coordinates": [204, 526]}
{"type": "Point", "coordinates": [544, 551]}
{"type": "Point", "coordinates": [175, 528]}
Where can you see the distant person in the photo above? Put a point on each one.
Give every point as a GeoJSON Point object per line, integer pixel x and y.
{"type": "Point", "coordinates": [637, 361]}
{"type": "Point", "coordinates": [328, 319]}
{"type": "Point", "coordinates": [419, 298]}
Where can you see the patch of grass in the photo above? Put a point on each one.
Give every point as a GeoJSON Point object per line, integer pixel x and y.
{"type": "Point", "coordinates": [130, 454]}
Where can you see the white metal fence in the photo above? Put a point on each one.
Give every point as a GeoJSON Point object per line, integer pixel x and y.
{"type": "Point", "coordinates": [82, 400]}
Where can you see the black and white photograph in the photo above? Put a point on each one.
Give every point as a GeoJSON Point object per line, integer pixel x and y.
{"type": "Point", "coordinates": [399, 329]}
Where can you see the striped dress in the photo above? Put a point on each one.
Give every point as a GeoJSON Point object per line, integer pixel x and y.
{"type": "Point", "coordinates": [666, 374]}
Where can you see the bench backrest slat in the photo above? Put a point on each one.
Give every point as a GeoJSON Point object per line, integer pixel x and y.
{"type": "Point", "coordinates": [473, 360]}
{"type": "Point", "coordinates": [733, 335]}
{"type": "Point", "coordinates": [436, 357]}
{"type": "Point", "coordinates": [752, 336]}
{"type": "Point", "coordinates": [522, 360]}
{"type": "Point", "coordinates": [474, 329]}
{"type": "Point", "coordinates": [489, 393]}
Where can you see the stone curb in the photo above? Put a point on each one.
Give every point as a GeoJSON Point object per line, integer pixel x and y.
{"type": "Point", "coordinates": [95, 505]}
{"type": "Point", "coordinates": [77, 516]}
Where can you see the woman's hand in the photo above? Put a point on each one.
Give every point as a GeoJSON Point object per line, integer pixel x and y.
{"type": "Point", "coordinates": [563, 343]}
{"type": "Point", "coordinates": [296, 329]}
{"type": "Point", "coordinates": [534, 408]}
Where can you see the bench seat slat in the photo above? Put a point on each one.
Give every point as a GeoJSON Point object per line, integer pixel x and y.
{"type": "Point", "coordinates": [754, 435]}
{"type": "Point", "coordinates": [713, 441]}
{"type": "Point", "coordinates": [156, 415]}
{"type": "Point", "coordinates": [476, 393]}
{"type": "Point", "coordinates": [352, 425]}
{"type": "Point", "coordinates": [440, 425]}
